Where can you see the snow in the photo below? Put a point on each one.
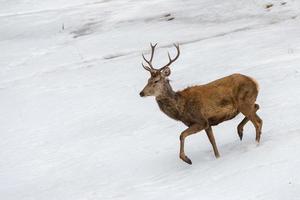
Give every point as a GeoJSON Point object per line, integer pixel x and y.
{"type": "Point", "coordinates": [74, 127]}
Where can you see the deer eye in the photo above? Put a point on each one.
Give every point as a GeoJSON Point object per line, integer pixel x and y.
{"type": "Point", "coordinates": [156, 81]}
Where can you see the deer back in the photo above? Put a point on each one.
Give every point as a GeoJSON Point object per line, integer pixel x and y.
{"type": "Point", "coordinates": [219, 100]}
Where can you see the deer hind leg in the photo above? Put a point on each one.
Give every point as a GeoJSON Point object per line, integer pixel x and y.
{"type": "Point", "coordinates": [189, 131]}
{"type": "Point", "coordinates": [211, 138]}
{"type": "Point", "coordinates": [250, 113]}
{"type": "Point", "coordinates": [240, 127]}
{"type": "Point", "coordinates": [260, 123]}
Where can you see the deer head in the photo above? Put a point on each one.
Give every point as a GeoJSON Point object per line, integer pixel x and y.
{"type": "Point", "coordinates": [158, 83]}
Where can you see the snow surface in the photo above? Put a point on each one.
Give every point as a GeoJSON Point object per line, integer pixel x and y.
{"type": "Point", "coordinates": [74, 127]}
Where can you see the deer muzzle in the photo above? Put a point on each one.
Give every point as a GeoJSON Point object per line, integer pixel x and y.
{"type": "Point", "coordinates": [142, 94]}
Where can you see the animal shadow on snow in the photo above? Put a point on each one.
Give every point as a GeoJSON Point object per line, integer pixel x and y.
{"type": "Point", "coordinates": [234, 149]}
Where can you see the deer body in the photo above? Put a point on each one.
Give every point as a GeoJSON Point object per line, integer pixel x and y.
{"type": "Point", "coordinates": [203, 106]}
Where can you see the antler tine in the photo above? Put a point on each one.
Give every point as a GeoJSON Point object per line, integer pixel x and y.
{"type": "Point", "coordinates": [170, 59]}
{"type": "Point", "coordinates": [152, 50]}
{"type": "Point", "coordinates": [146, 68]}
{"type": "Point", "coordinates": [149, 62]}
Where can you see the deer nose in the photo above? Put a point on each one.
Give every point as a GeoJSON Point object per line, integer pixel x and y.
{"type": "Point", "coordinates": [142, 94]}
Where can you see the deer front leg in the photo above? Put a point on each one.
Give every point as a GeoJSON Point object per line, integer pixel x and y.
{"type": "Point", "coordinates": [189, 131]}
{"type": "Point", "coordinates": [211, 138]}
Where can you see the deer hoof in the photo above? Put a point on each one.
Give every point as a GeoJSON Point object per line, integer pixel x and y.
{"type": "Point", "coordinates": [257, 140]}
{"type": "Point", "coordinates": [186, 159]}
{"type": "Point", "coordinates": [240, 133]}
{"type": "Point", "coordinates": [241, 136]}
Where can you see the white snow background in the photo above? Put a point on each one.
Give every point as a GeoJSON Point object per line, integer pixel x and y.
{"type": "Point", "coordinates": [73, 127]}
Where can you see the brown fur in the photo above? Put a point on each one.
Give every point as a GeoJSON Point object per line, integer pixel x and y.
{"type": "Point", "coordinates": [219, 100]}
{"type": "Point", "coordinates": [203, 106]}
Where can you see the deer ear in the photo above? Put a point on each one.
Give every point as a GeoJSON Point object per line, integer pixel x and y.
{"type": "Point", "coordinates": [166, 72]}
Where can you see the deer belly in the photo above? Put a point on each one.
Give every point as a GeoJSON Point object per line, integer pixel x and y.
{"type": "Point", "coordinates": [222, 115]}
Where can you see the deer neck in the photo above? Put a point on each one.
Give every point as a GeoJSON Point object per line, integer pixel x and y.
{"type": "Point", "coordinates": [169, 102]}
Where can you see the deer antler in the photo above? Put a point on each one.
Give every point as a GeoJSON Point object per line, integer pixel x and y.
{"type": "Point", "coordinates": [170, 59]}
{"type": "Point", "coordinates": [149, 62]}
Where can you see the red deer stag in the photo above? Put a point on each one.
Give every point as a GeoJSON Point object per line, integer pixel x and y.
{"type": "Point", "coordinates": [203, 106]}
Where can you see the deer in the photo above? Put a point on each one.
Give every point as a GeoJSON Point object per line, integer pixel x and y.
{"type": "Point", "coordinates": [202, 106]}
